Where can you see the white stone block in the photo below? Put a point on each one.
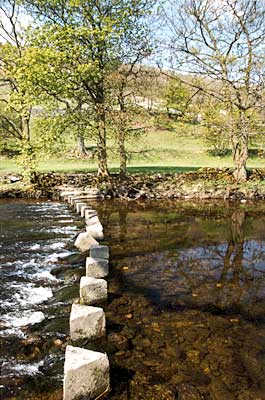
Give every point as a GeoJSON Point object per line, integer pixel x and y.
{"type": "Point", "coordinates": [75, 198]}
{"type": "Point", "coordinates": [69, 198]}
{"type": "Point", "coordinates": [93, 290]}
{"type": "Point", "coordinates": [87, 322]}
{"type": "Point", "coordinates": [98, 251]}
{"type": "Point", "coordinates": [83, 209]}
{"type": "Point", "coordinates": [84, 241]}
{"type": "Point", "coordinates": [78, 206]}
{"type": "Point", "coordinates": [66, 194]}
{"type": "Point", "coordinates": [97, 267]}
{"type": "Point", "coordinates": [90, 213]}
{"type": "Point", "coordinates": [96, 231]}
{"type": "Point", "coordinates": [92, 220]}
{"type": "Point", "coordinates": [86, 374]}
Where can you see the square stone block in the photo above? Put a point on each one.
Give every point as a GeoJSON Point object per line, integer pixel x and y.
{"type": "Point", "coordinates": [83, 209]}
{"type": "Point", "coordinates": [87, 322]}
{"type": "Point", "coordinates": [97, 267]}
{"type": "Point", "coordinates": [96, 231]}
{"type": "Point", "coordinates": [90, 213]}
{"type": "Point", "coordinates": [79, 205]}
{"type": "Point", "coordinates": [92, 220]}
{"type": "Point", "coordinates": [84, 241]}
{"type": "Point", "coordinates": [93, 290]}
{"type": "Point", "coordinates": [98, 251]}
{"type": "Point", "coordinates": [86, 374]}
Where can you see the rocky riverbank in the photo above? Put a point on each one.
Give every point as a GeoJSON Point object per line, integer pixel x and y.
{"type": "Point", "coordinates": [206, 183]}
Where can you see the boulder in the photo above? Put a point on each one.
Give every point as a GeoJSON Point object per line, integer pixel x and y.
{"type": "Point", "coordinates": [96, 231]}
{"type": "Point", "coordinates": [84, 241]}
{"type": "Point", "coordinates": [93, 290]}
{"type": "Point", "coordinates": [98, 251]}
{"type": "Point", "coordinates": [97, 267]}
{"type": "Point", "coordinates": [87, 322]}
{"type": "Point", "coordinates": [86, 374]}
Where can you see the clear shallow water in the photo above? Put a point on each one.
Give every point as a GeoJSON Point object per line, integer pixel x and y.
{"type": "Point", "coordinates": [186, 307]}
{"type": "Point", "coordinates": [187, 313]}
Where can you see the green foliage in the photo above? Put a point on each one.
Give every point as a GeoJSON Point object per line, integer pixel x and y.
{"type": "Point", "coordinates": [219, 126]}
{"type": "Point", "coordinates": [177, 98]}
{"type": "Point", "coordinates": [27, 159]}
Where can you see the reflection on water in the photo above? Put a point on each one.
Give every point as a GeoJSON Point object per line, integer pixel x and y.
{"type": "Point", "coordinates": [186, 308]}
{"type": "Point", "coordinates": [186, 317]}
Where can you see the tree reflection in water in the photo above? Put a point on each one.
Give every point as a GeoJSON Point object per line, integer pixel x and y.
{"type": "Point", "coordinates": [186, 314]}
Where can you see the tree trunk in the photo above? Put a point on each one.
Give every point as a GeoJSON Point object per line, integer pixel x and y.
{"type": "Point", "coordinates": [240, 150]}
{"type": "Point", "coordinates": [122, 150]}
{"type": "Point", "coordinates": [81, 148]}
{"type": "Point", "coordinates": [25, 128]}
{"type": "Point", "coordinates": [101, 141]}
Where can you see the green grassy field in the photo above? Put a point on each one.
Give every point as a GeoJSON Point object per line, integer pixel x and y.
{"type": "Point", "coordinates": [160, 150]}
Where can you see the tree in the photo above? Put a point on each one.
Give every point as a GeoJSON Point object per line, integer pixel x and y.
{"type": "Point", "coordinates": [177, 97]}
{"type": "Point", "coordinates": [223, 42]}
{"type": "Point", "coordinates": [125, 112]}
{"type": "Point", "coordinates": [16, 105]}
{"type": "Point", "coordinates": [86, 39]}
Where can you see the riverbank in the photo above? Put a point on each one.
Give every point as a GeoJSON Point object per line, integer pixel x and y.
{"type": "Point", "coordinates": [206, 183]}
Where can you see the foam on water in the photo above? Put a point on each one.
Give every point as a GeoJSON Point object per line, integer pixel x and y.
{"type": "Point", "coordinates": [23, 319]}
{"type": "Point", "coordinates": [64, 229]}
{"type": "Point", "coordinates": [35, 247]}
{"type": "Point", "coordinates": [29, 295]}
{"type": "Point", "coordinates": [13, 332]}
{"type": "Point", "coordinates": [45, 276]}
{"type": "Point", "coordinates": [10, 368]}
{"type": "Point", "coordinates": [55, 256]}
{"type": "Point", "coordinates": [55, 246]}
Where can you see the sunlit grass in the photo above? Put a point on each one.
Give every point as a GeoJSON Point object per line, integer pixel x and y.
{"type": "Point", "coordinates": [178, 149]}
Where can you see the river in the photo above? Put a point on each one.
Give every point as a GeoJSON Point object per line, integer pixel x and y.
{"type": "Point", "coordinates": [186, 307]}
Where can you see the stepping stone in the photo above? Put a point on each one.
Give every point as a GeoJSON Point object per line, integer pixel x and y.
{"type": "Point", "coordinates": [90, 213]}
{"type": "Point", "coordinates": [87, 322]}
{"type": "Point", "coordinates": [93, 290]}
{"type": "Point", "coordinates": [86, 374]}
{"type": "Point", "coordinates": [97, 267]}
{"type": "Point", "coordinates": [98, 251]}
{"type": "Point", "coordinates": [92, 220]}
{"type": "Point", "coordinates": [96, 231]}
{"type": "Point", "coordinates": [78, 206]}
{"type": "Point", "coordinates": [84, 241]}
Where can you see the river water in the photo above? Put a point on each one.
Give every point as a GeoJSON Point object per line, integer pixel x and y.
{"type": "Point", "coordinates": [186, 307]}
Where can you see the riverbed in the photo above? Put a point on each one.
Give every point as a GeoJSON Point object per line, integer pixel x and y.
{"type": "Point", "coordinates": [185, 314]}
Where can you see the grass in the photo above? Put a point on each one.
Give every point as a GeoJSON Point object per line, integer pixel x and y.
{"type": "Point", "coordinates": [177, 149]}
